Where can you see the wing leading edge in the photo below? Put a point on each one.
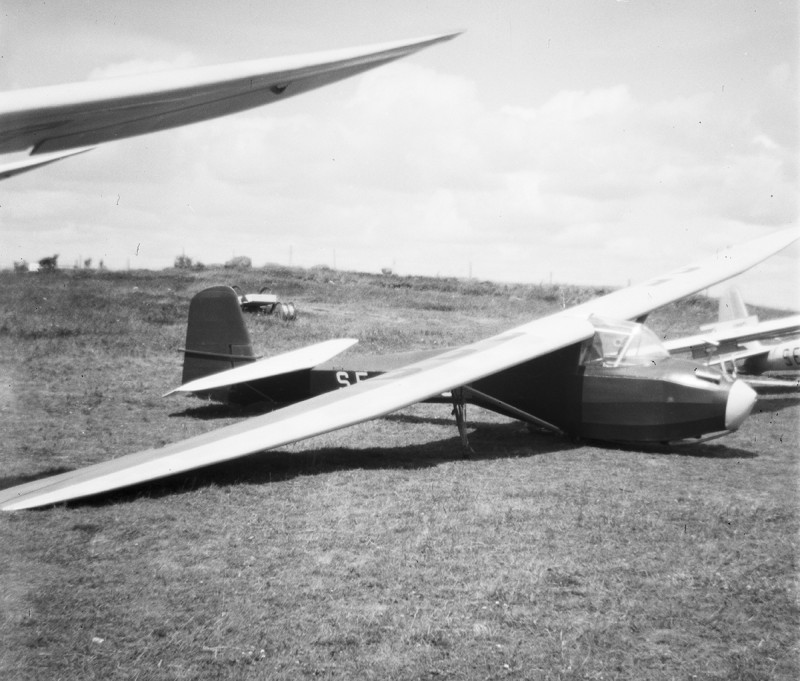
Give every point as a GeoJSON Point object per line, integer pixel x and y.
{"type": "Point", "coordinates": [330, 411]}
{"type": "Point", "coordinates": [395, 389]}
{"type": "Point", "coordinates": [77, 115]}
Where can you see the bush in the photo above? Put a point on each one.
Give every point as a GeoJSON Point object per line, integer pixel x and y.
{"type": "Point", "coordinates": [49, 264]}
{"type": "Point", "coordinates": [240, 262]}
{"type": "Point", "coordinates": [183, 262]}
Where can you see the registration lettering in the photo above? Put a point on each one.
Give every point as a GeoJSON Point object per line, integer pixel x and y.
{"type": "Point", "coordinates": [343, 378]}
{"type": "Point", "coordinates": [791, 358]}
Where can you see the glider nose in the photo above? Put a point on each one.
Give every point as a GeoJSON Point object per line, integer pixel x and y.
{"type": "Point", "coordinates": [741, 399]}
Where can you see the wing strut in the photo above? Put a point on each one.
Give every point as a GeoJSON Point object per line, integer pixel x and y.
{"type": "Point", "coordinates": [459, 397]}
{"type": "Point", "coordinates": [507, 409]}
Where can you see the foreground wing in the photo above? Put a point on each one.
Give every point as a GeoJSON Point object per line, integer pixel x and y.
{"type": "Point", "coordinates": [61, 117]}
{"type": "Point", "coordinates": [363, 401]}
{"type": "Point", "coordinates": [295, 360]}
{"type": "Point", "coordinates": [393, 390]}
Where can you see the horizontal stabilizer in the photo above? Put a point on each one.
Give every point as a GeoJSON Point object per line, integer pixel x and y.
{"type": "Point", "coordinates": [295, 360]}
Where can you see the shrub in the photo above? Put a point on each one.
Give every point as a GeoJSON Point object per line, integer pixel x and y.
{"type": "Point", "coordinates": [49, 264]}
{"type": "Point", "coordinates": [240, 262]}
{"type": "Point", "coordinates": [183, 262]}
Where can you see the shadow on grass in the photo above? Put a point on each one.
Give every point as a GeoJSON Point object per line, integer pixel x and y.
{"type": "Point", "coordinates": [703, 450]}
{"type": "Point", "coordinates": [773, 403]}
{"type": "Point", "coordinates": [214, 410]}
{"type": "Point", "coordinates": [14, 480]}
{"type": "Point", "coordinates": [489, 441]}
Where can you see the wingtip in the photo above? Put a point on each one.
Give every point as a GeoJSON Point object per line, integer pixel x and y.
{"type": "Point", "coordinates": [37, 160]}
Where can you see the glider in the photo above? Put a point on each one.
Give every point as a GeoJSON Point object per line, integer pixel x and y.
{"type": "Point", "coordinates": [737, 339]}
{"type": "Point", "coordinates": [586, 374]}
{"type": "Point", "coordinates": [59, 121]}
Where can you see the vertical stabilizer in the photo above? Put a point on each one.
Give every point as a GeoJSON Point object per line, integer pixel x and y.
{"type": "Point", "coordinates": [216, 336]}
{"type": "Point", "coordinates": [732, 313]}
{"type": "Point", "coordinates": [731, 306]}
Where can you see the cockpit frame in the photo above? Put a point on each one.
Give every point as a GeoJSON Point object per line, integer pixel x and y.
{"type": "Point", "coordinates": [621, 343]}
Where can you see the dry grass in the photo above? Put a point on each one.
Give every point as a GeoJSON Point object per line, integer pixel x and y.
{"type": "Point", "coordinates": [376, 552]}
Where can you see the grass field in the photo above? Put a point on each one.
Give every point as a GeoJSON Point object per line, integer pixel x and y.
{"type": "Point", "coordinates": [377, 552]}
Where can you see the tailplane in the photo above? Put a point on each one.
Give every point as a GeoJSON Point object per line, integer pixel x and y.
{"type": "Point", "coordinates": [216, 337]}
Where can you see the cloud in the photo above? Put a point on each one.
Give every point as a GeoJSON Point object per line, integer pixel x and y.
{"type": "Point", "coordinates": [133, 67]}
{"type": "Point", "coordinates": [413, 167]}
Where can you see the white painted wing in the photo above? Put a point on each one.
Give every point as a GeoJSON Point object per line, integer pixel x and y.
{"type": "Point", "coordinates": [294, 360]}
{"type": "Point", "coordinates": [754, 332]}
{"type": "Point", "coordinates": [360, 402]}
{"type": "Point", "coordinates": [60, 117]}
{"type": "Point", "coordinates": [395, 389]}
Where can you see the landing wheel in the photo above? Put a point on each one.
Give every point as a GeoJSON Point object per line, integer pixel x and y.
{"type": "Point", "coordinates": [286, 312]}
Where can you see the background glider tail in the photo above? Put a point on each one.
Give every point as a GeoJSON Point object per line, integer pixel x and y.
{"type": "Point", "coordinates": [732, 306]}
{"type": "Point", "coordinates": [216, 336]}
{"type": "Point", "coordinates": [733, 313]}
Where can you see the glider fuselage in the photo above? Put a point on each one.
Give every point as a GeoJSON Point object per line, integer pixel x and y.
{"type": "Point", "coordinates": [670, 399]}
{"type": "Point", "coordinates": [783, 356]}
{"type": "Point", "coordinates": [619, 384]}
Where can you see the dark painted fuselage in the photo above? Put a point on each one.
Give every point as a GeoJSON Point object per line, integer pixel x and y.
{"type": "Point", "coordinates": [661, 401]}
{"type": "Point", "coordinates": [667, 399]}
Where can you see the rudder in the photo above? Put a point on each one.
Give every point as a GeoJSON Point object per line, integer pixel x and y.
{"type": "Point", "coordinates": [732, 306]}
{"type": "Point", "coordinates": [216, 336]}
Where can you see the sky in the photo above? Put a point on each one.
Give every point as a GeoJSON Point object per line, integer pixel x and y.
{"type": "Point", "coordinates": [591, 142]}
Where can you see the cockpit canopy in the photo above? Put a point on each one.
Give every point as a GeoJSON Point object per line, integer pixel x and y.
{"type": "Point", "coordinates": [620, 343]}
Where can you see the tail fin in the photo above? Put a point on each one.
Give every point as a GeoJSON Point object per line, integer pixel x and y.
{"type": "Point", "coordinates": [732, 314]}
{"type": "Point", "coordinates": [731, 306]}
{"type": "Point", "coordinates": [216, 337]}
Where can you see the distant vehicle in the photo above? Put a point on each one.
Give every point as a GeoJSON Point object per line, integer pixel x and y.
{"type": "Point", "coordinates": [264, 302]}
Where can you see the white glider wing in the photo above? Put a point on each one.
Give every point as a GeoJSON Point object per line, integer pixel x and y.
{"type": "Point", "coordinates": [393, 390]}
{"type": "Point", "coordinates": [58, 118]}
{"type": "Point", "coordinates": [636, 301]}
{"type": "Point", "coordinates": [363, 401]}
{"type": "Point", "coordinates": [760, 331]}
